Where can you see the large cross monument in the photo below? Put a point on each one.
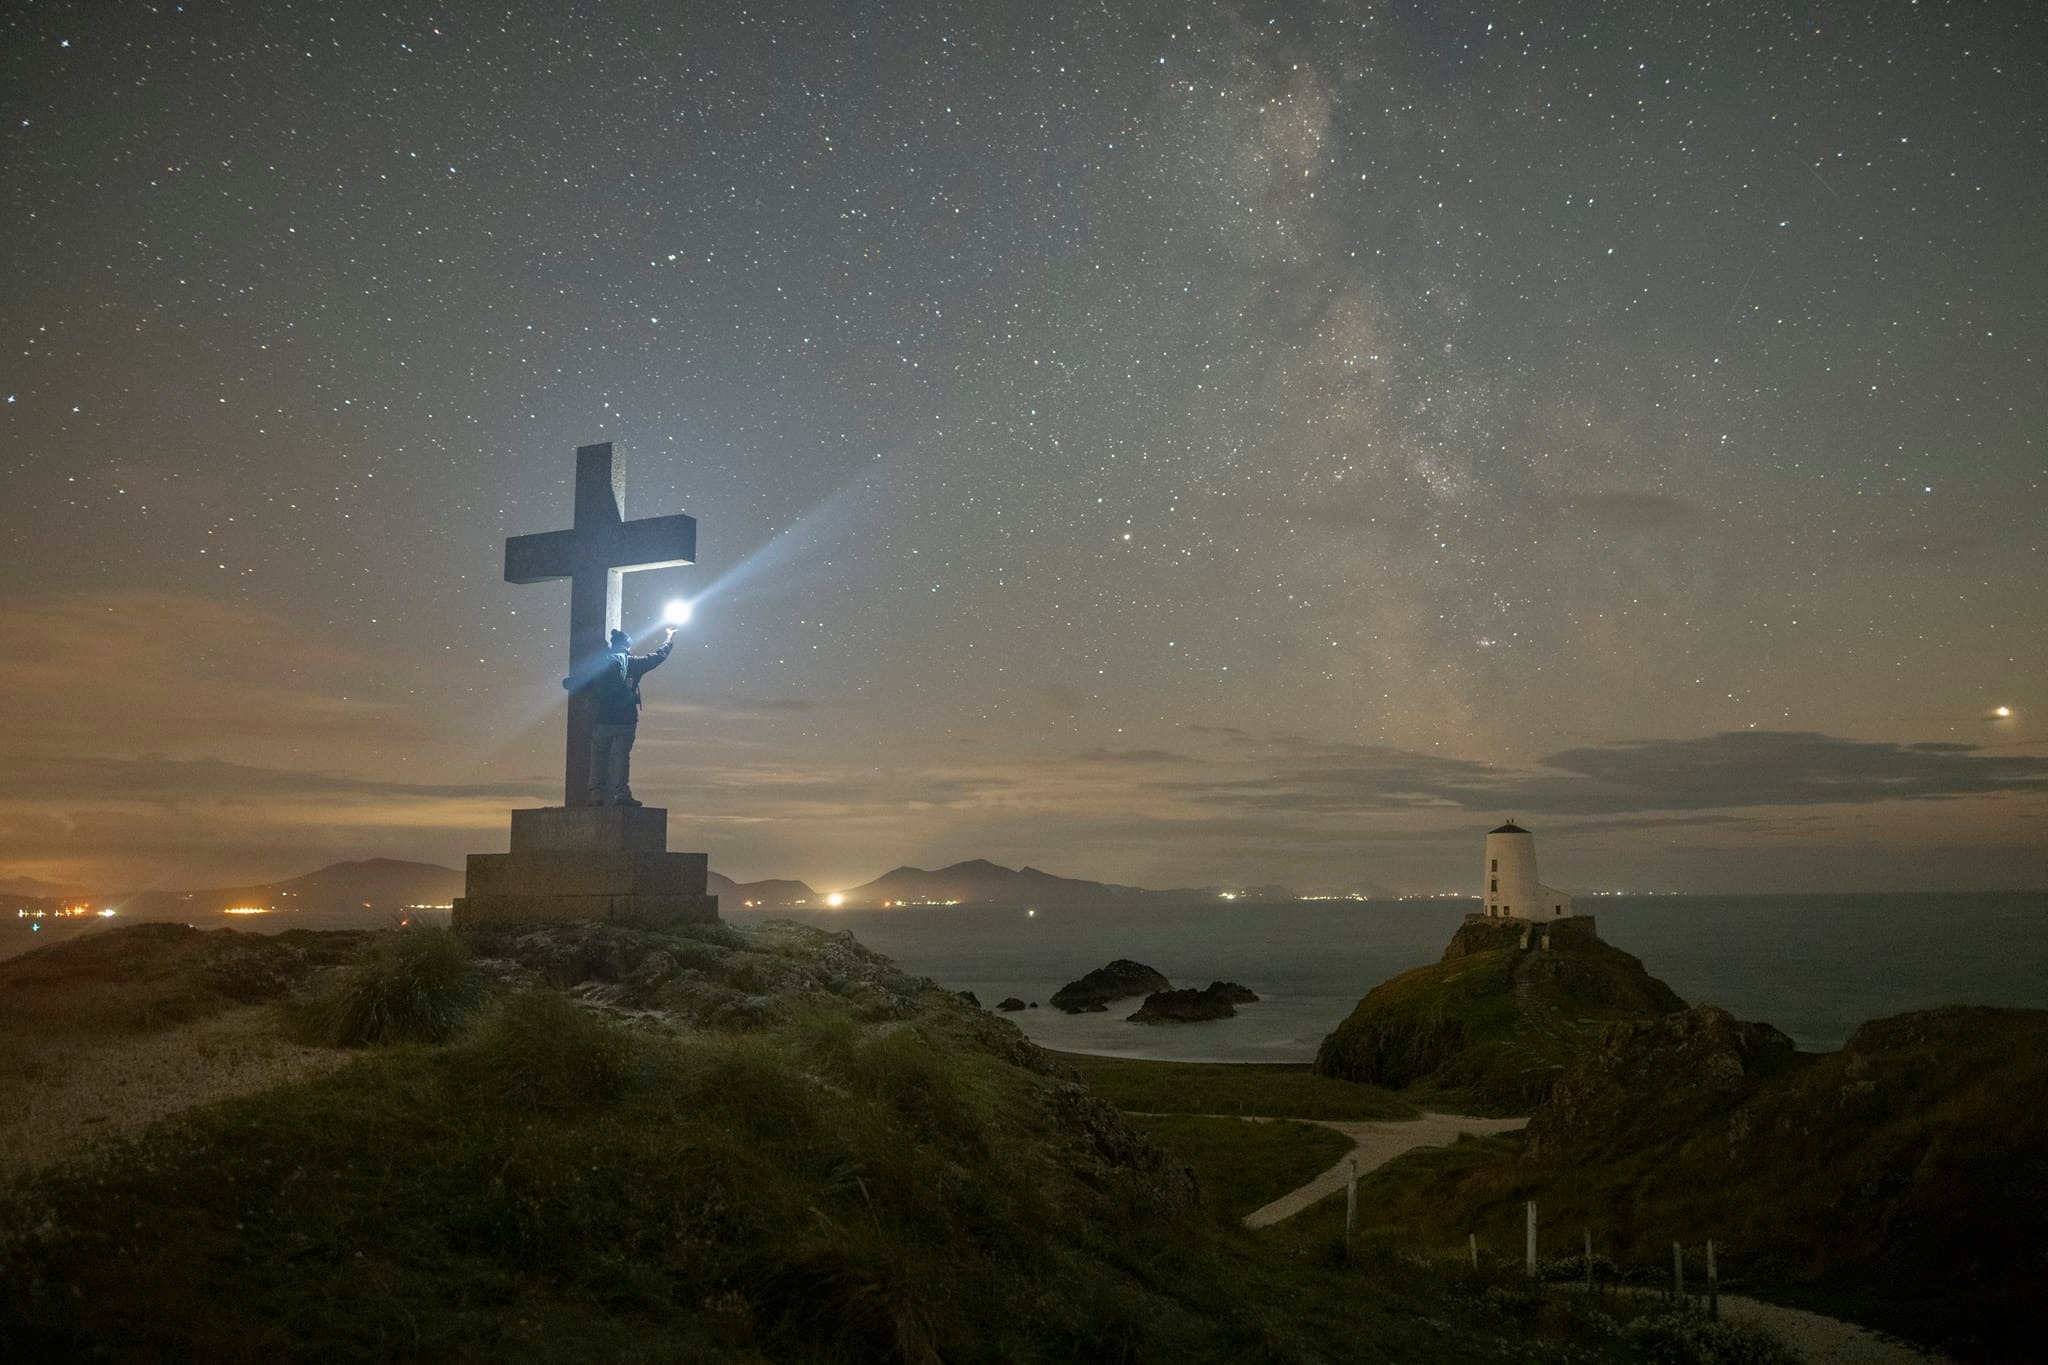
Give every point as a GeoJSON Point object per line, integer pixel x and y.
{"type": "Point", "coordinates": [576, 861]}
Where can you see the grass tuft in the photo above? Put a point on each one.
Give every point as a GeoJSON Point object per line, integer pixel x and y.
{"type": "Point", "coordinates": [416, 986]}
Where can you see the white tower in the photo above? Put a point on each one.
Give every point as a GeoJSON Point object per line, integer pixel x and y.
{"type": "Point", "coordinates": [1510, 889]}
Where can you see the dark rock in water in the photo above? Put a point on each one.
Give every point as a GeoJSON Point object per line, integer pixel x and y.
{"type": "Point", "coordinates": [1215, 1001]}
{"type": "Point", "coordinates": [970, 998]}
{"type": "Point", "coordinates": [1009, 1004]}
{"type": "Point", "coordinates": [1121, 978]}
{"type": "Point", "coordinates": [1034, 1004]}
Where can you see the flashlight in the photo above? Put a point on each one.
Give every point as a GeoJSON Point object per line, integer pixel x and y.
{"type": "Point", "coordinates": [676, 613]}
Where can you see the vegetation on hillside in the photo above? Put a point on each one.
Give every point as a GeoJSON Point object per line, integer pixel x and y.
{"type": "Point", "coordinates": [147, 977]}
{"type": "Point", "coordinates": [1492, 1025]}
{"type": "Point", "coordinates": [1273, 1089]}
{"type": "Point", "coordinates": [708, 1145]}
{"type": "Point", "coordinates": [1902, 1181]}
{"type": "Point", "coordinates": [1245, 1164]}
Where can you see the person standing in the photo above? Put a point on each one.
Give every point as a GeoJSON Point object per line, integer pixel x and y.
{"type": "Point", "coordinates": [615, 694]}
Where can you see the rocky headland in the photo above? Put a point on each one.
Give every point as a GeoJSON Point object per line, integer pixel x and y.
{"type": "Point", "coordinates": [1499, 1017]}
{"type": "Point", "coordinates": [1894, 1181]}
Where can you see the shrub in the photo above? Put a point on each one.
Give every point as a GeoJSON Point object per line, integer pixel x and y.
{"type": "Point", "coordinates": [538, 1051]}
{"type": "Point", "coordinates": [1685, 1337]}
{"type": "Point", "coordinates": [417, 986]}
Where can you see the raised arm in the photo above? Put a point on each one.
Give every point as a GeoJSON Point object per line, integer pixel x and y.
{"type": "Point", "coordinates": [647, 663]}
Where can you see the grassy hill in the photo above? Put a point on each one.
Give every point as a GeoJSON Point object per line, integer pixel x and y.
{"type": "Point", "coordinates": [1492, 1025]}
{"type": "Point", "coordinates": [1902, 1181]}
{"type": "Point", "coordinates": [718, 1144]}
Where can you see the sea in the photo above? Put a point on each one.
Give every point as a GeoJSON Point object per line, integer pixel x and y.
{"type": "Point", "coordinates": [1815, 966]}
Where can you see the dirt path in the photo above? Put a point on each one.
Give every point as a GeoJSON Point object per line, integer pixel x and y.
{"type": "Point", "coordinates": [1375, 1142]}
{"type": "Point", "coordinates": [1825, 1340]}
{"type": "Point", "coordinates": [66, 1095]}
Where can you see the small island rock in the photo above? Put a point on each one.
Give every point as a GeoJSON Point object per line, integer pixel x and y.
{"type": "Point", "coordinates": [1121, 978]}
{"type": "Point", "coordinates": [1217, 1000]}
{"type": "Point", "coordinates": [1009, 1004]}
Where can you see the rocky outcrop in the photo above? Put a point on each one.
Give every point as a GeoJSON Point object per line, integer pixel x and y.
{"type": "Point", "coordinates": [1659, 1075]}
{"type": "Point", "coordinates": [1118, 980]}
{"type": "Point", "coordinates": [1010, 1004]}
{"type": "Point", "coordinates": [1493, 1019]}
{"type": "Point", "coordinates": [1217, 1000]}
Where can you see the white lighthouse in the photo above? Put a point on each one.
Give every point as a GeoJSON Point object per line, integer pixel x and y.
{"type": "Point", "coordinates": [1510, 889]}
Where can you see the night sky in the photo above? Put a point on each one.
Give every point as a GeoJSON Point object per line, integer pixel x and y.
{"type": "Point", "coordinates": [1160, 443]}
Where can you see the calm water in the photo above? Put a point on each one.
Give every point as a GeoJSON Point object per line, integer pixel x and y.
{"type": "Point", "coordinates": [1815, 966]}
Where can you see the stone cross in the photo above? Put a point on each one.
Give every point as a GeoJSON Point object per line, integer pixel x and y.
{"type": "Point", "coordinates": [595, 555]}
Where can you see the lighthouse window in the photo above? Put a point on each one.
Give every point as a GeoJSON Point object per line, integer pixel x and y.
{"type": "Point", "coordinates": [1495, 867]}
{"type": "Point", "coordinates": [1493, 885]}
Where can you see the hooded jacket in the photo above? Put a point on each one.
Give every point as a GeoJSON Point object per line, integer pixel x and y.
{"type": "Point", "coordinates": [616, 688]}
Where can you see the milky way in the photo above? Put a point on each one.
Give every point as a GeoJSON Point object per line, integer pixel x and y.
{"type": "Point", "coordinates": [1164, 443]}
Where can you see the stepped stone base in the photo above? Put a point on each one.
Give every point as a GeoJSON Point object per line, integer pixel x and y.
{"type": "Point", "coordinates": [578, 864]}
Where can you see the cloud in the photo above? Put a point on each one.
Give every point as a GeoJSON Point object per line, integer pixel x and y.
{"type": "Point", "coordinates": [1780, 768]}
{"type": "Point", "coordinates": [1142, 758]}
{"type": "Point", "coordinates": [1733, 770]}
{"type": "Point", "coordinates": [215, 676]}
{"type": "Point", "coordinates": [155, 778]}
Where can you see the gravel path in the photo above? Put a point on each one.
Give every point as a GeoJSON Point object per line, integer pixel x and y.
{"type": "Point", "coordinates": [70, 1093]}
{"type": "Point", "coordinates": [1825, 1340]}
{"type": "Point", "coordinates": [1375, 1142]}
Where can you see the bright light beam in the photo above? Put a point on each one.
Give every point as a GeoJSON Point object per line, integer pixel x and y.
{"type": "Point", "coordinates": [808, 532]}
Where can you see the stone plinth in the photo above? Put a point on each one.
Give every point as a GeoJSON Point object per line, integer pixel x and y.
{"type": "Point", "coordinates": [590, 829]}
{"type": "Point", "coordinates": [575, 864]}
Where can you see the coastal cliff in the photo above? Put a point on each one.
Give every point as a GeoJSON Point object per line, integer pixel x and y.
{"type": "Point", "coordinates": [1493, 1019]}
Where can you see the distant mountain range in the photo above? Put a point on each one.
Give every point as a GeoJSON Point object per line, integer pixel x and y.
{"type": "Point", "coordinates": [376, 886]}
{"type": "Point", "coordinates": [775, 893]}
{"type": "Point", "coordinates": [980, 882]}
{"type": "Point", "coordinates": [32, 888]}
{"type": "Point", "coordinates": [382, 887]}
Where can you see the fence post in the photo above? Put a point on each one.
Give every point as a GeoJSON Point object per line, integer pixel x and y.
{"type": "Point", "coordinates": [1713, 1283]}
{"type": "Point", "coordinates": [1589, 1260]}
{"type": "Point", "coordinates": [1350, 1205]}
{"type": "Point", "coordinates": [1529, 1256]}
{"type": "Point", "coordinates": [1472, 1244]}
{"type": "Point", "coordinates": [1677, 1273]}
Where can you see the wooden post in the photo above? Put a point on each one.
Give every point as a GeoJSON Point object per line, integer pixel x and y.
{"type": "Point", "coordinates": [1472, 1243]}
{"type": "Point", "coordinates": [1713, 1283]}
{"type": "Point", "coordinates": [1589, 1260]}
{"type": "Point", "coordinates": [1529, 1257]}
{"type": "Point", "coordinates": [1677, 1273]}
{"type": "Point", "coordinates": [1351, 1205]}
